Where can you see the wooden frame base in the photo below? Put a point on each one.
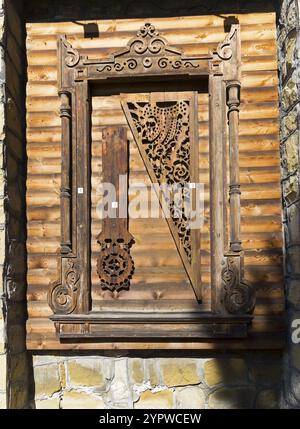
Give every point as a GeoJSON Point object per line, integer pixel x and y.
{"type": "Point", "coordinates": [151, 325]}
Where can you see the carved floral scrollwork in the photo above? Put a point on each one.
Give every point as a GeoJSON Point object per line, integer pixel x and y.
{"type": "Point", "coordinates": [62, 296]}
{"type": "Point", "coordinates": [238, 296]}
{"type": "Point", "coordinates": [147, 50]}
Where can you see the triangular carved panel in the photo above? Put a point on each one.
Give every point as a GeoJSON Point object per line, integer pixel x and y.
{"type": "Point", "coordinates": [164, 127]}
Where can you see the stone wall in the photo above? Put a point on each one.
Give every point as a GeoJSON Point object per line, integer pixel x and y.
{"type": "Point", "coordinates": [14, 375]}
{"type": "Point", "coordinates": [289, 67]}
{"type": "Point", "coordinates": [227, 381]}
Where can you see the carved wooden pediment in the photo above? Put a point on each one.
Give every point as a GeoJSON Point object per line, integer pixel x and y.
{"type": "Point", "coordinates": [148, 50]}
{"type": "Point", "coordinates": [148, 53]}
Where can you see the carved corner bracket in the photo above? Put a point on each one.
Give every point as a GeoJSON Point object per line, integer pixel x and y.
{"type": "Point", "coordinates": [238, 296]}
{"type": "Point", "coordinates": [63, 294]}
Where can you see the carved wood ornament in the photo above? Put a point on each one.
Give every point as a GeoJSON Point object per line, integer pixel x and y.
{"type": "Point", "coordinates": [115, 265]}
{"type": "Point", "coordinates": [163, 126]}
{"type": "Point", "coordinates": [165, 131]}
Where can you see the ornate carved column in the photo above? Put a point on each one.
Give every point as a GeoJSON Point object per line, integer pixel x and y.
{"type": "Point", "coordinates": [66, 181]}
{"type": "Point", "coordinates": [233, 103]}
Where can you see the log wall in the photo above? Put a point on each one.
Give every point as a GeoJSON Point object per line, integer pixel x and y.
{"type": "Point", "coordinates": [159, 267]}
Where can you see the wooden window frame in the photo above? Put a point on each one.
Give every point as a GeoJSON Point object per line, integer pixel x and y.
{"type": "Point", "coordinates": [232, 298]}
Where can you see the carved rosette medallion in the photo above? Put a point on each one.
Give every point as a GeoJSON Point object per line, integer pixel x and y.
{"type": "Point", "coordinates": [115, 265]}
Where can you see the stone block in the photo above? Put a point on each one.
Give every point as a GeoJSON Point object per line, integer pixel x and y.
{"type": "Point", "coordinates": [44, 359]}
{"type": "Point", "coordinates": [152, 372]}
{"type": "Point", "coordinates": [18, 366]}
{"type": "Point", "coordinates": [295, 385]}
{"type": "Point", "coordinates": [292, 153]}
{"type": "Point", "coordinates": [290, 50]}
{"type": "Point", "coordinates": [232, 398]}
{"type": "Point", "coordinates": [3, 401]}
{"type": "Point", "coordinates": [267, 372]}
{"type": "Point", "coordinates": [289, 93]}
{"type": "Point", "coordinates": [267, 399]}
{"type": "Point", "coordinates": [46, 380]}
{"type": "Point", "coordinates": [179, 372]}
{"type": "Point", "coordinates": [120, 394]}
{"type": "Point", "coordinates": [283, 12]}
{"type": "Point", "coordinates": [86, 372]}
{"type": "Point", "coordinates": [192, 397]}
{"type": "Point", "coordinates": [62, 375]}
{"type": "Point", "coordinates": [155, 401]}
{"type": "Point", "coordinates": [81, 400]}
{"type": "Point", "coordinates": [3, 372]}
{"type": "Point", "coordinates": [293, 292]}
{"type": "Point", "coordinates": [136, 371]}
{"type": "Point", "coordinates": [225, 371]}
{"type": "Point", "coordinates": [19, 398]}
{"type": "Point", "coordinates": [295, 356]}
{"type": "Point", "coordinates": [16, 336]}
{"type": "Point", "coordinates": [291, 16]}
{"type": "Point", "coordinates": [290, 189]}
{"type": "Point", "coordinates": [281, 36]}
{"type": "Point", "coordinates": [47, 404]}
{"type": "Point", "coordinates": [290, 122]}
{"type": "Point", "coordinates": [293, 260]}
{"type": "Point", "coordinates": [293, 217]}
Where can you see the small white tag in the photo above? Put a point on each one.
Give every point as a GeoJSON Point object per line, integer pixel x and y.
{"type": "Point", "coordinates": [80, 190]}
{"type": "Point", "coordinates": [192, 185]}
{"type": "Point", "coordinates": [114, 205]}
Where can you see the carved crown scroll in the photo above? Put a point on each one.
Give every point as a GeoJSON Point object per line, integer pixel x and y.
{"type": "Point", "coordinates": [148, 50]}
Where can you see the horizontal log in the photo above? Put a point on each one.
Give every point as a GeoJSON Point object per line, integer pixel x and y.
{"type": "Point", "coordinates": [176, 36]}
{"type": "Point", "coordinates": [40, 341]}
{"type": "Point", "coordinates": [44, 149]}
{"type": "Point", "coordinates": [102, 113]}
{"type": "Point", "coordinates": [155, 291]}
{"type": "Point", "coordinates": [180, 23]}
{"type": "Point", "coordinates": [101, 49]}
{"type": "Point", "coordinates": [41, 309]}
{"type": "Point", "coordinates": [248, 96]}
{"type": "Point", "coordinates": [261, 79]}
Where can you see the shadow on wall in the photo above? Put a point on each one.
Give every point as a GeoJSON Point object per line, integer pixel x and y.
{"type": "Point", "coordinates": [74, 10]}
